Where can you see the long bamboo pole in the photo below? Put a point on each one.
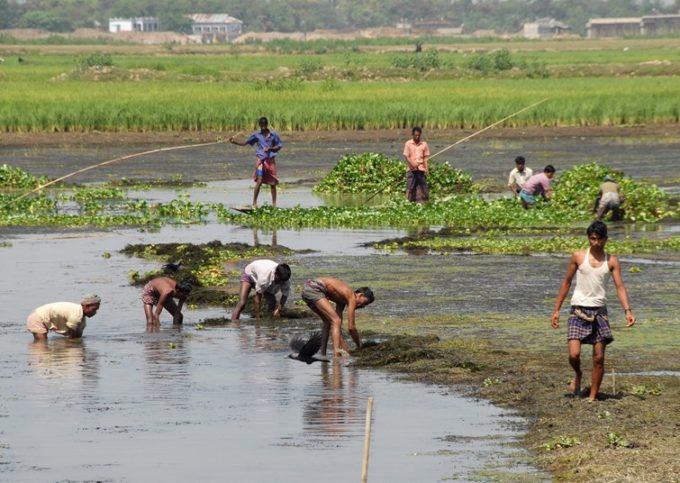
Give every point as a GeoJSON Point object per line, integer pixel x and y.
{"type": "Point", "coordinates": [367, 440]}
{"type": "Point", "coordinates": [111, 161]}
{"type": "Point", "coordinates": [476, 133]}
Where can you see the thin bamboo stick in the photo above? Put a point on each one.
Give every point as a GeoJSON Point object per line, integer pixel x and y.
{"type": "Point", "coordinates": [367, 440]}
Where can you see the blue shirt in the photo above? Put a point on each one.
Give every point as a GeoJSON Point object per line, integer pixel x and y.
{"type": "Point", "coordinates": [270, 141]}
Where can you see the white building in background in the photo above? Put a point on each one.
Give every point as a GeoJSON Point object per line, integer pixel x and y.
{"type": "Point", "coordinates": [136, 24]}
{"type": "Point", "coordinates": [215, 27]}
{"type": "Point", "coordinates": [545, 28]}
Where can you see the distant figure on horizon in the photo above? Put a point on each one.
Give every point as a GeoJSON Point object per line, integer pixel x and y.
{"type": "Point", "coordinates": [65, 318]}
{"type": "Point", "coordinates": [318, 295]}
{"type": "Point", "coordinates": [519, 176]}
{"type": "Point", "coordinates": [160, 292]}
{"type": "Point", "coordinates": [588, 319]}
{"type": "Point", "coordinates": [537, 185]}
{"type": "Point", "coordinates": [268, 145]}
{"type": "Point", "coordinates": [267, 277]}
{"type": "Point", "coordinates": [608, 199]}
{"type": "Point", "coordinates": [416, 153]}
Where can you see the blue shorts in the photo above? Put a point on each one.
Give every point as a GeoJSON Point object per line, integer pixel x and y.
{"type": "Point", "coordinates": [527, 198]}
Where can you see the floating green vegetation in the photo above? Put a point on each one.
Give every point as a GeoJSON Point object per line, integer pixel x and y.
{"type": "Point", "coordinates": [466, 213]}
{"type": "Point", "coordinates": [11, 177]}
{"type": "Point", "coordinates": [378, 173]}
{"type": "Point", "coordinates": [527, 246]}
{"type": "Point", "coordinates": [202, 265]}
{"type": "Point", "coordinates": [86, 206]}
{"type": "Point", "coordinates": [460, 213]}
{"type": "Point", "coordinates": [578, 187]}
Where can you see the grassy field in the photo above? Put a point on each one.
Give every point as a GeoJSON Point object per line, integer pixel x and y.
{"type": "Point", "coordinates": [225, 89]}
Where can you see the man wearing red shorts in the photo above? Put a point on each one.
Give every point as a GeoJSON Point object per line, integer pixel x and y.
{"type": "Point", "coordinates": [268, 145]}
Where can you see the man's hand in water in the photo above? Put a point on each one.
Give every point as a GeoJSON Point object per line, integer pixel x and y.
{"type": "Point", "coordinates": [277, 311]}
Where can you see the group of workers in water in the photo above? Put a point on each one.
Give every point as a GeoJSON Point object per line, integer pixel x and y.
{"type": "Point", "coordinates": [328, 297]}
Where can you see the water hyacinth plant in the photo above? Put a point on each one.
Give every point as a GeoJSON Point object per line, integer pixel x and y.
{"type": "Point", "coordinates": [577, 189]}
{"type": "Point", "coordinates": [378, 173]}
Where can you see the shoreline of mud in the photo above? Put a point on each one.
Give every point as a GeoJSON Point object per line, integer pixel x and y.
{"type": "Point", "coordinates": [22, 139]}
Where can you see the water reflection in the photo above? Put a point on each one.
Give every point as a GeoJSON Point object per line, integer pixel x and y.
{"type": "Point", "coordinates": [333, 406]}
{"type": "Point", "coordinates": [256, 238]}
{"type": "Point", "coordinates": [166, 365]}
{"type": "Point", "coordinates": [66, 363]}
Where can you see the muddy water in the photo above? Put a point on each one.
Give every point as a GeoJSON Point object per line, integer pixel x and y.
{"type": "Point", "coordinates": [649, 158]}
{"type": "Point", "coordinates": [216, 404]}
{"type": "Point", "coordinates": [226, 403]}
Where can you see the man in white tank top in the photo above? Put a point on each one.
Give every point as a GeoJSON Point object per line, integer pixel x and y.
{"type": "Point", "coordinates": [588, 321]}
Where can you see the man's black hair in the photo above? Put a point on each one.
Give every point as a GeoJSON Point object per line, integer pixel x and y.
{"type": "Point", "coordinates": [184, 287]}
{"type": "Point", "coordinates": [598, 228]}
{"type": "Point", "coordinates": [366, 292]}
{"type": "Point", "coordinates": [417, 129]}
{"type": "Point", "coordinates": [520, 160]}
{"type": "Point", "coordinates": [263, 120]}
{"type": "Point", "coordinates": [549, 169]}
{"type": "Point", "coordinates": [282, 272]}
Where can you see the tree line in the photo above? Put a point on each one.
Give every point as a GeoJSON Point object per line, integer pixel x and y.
{"type": "Point", "coordinates": [503, 16]}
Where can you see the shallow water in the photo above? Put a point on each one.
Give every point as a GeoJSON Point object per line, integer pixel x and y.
{"type": "Point", "coordinates": [222, 403]}
{"type": "Point", "coordinates": [648, 158]}
{"type": "Point", "coordinates": [226, 403]}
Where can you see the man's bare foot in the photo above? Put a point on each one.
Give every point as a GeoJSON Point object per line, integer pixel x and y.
{"type": "Point", "coordinates": [575, 385]}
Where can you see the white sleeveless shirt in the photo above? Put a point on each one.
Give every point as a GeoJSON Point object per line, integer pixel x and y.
{"type": "Point", "coordinates": [590, 281]}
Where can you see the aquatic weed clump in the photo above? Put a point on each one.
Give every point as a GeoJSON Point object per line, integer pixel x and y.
{"type": "Point", "coordinates": [526, 245]}
{"type": "Point", "coordinates": [203, 265]}
{"type": "Point", "coordinates": [577, 188]}
{"type": "Point", "coordinates": [462, 214]}
{"type": "Point", "coordinates": [377, 173]}
{"type": "Point", "coordinates": [11, 177]}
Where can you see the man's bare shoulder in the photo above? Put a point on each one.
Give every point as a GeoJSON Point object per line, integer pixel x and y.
{"type": "Point", "coordinates": [578, 256]}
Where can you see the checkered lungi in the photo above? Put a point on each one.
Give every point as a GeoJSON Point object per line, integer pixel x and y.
{"type": "Point", "coordinates": [589, 325]}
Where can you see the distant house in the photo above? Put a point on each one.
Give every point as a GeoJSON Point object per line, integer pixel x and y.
{"type": "Point", "coordinates": [613, 27]}
{"type": "Point", "coordinates": [545, 28]}
{"type": "Point", "coordinates": [659, 25]}
{"type": "Point", "coordinates": [136, 24]}
{"type": "Point", "coordinates": [215, 27]}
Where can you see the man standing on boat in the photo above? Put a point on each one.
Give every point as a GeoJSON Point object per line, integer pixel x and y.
{"type": "Point", "coordinates": [588, 320]}
{"type": "Point", "coordinates": [268, 145]}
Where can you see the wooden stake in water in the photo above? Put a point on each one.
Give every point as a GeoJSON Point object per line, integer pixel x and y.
{"type": "Point", "coordinates": [367, 440]}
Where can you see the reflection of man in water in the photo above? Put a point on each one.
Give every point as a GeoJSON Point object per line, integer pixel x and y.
{"type": "Point", "coordinates": [160, 292]}
{"type": "Point", "coordinates": [332, 406]}
{"type": "Point", "coordinates": [65, 318]}
{"type": "Point", "coordinates": [319, 293]}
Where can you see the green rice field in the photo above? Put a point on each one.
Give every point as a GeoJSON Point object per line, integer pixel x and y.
{"type": "Point", "coordinates": [352, 90]}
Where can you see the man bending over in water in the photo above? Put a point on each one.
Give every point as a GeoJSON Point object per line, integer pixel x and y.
{"type": "Point", "coordinates": [65, 318]}
{"type": "Point", "coordinates": [588, 319]}
{"type": "Point", "coordinates": [319, 293]}
{"type": "Point", "coordinates": [160, 292]}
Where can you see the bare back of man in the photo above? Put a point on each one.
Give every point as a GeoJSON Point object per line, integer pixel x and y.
{"type": "Point", "coordinates": [319, 293]}
{"type": "Point", "coordinates": [159, 292]}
